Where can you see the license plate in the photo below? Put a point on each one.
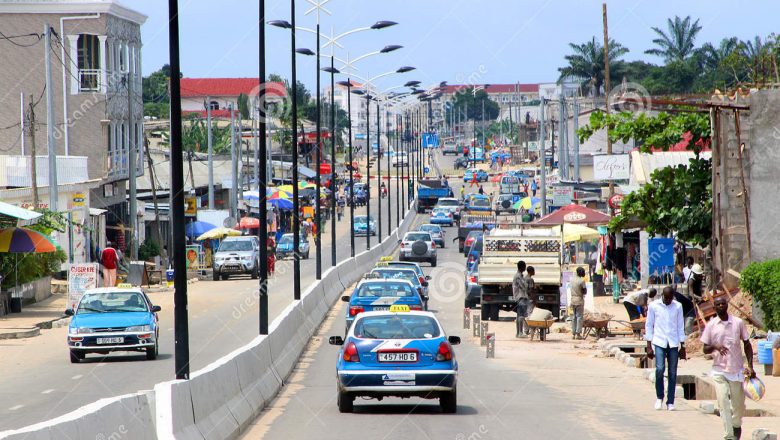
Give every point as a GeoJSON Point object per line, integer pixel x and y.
{"type": "Point", "coordinates": [231, 269]}
{"type": "Point", "coordinates": [380, 309]}
{"type": "Point", "coordinates": [118, 340]}
{"type": "Point", "coordinates": [398, 357]}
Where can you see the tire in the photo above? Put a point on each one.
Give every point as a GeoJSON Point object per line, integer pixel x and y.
{"type": "Point", "coordinates": [401, 257]}
{"type": "Point", "coordinates": [419, 248]}
{"type": "Point", "coordinates": [442, 243]}
{"type": "Point", "coordinates": [225, 276]}
{"type": "Point", "coordinates": [151, 353]}
{"type": "Point", "coordinates": [494, 312]}
{"type": "Point", "coordinates": [215, 275]}
{"type": "Point", "coordinates": [76, 356]}
{"type": "Point", "coordinates": [345, 402]}
{"type": "Point", "coordinates": [307, 255]}
{"type": "Point", "coordinates": [256, 272]}
{"type": "Point", "coordinates": [449, 402]}
{"type": "Point", "coordinates": [433, 262]}
{"type": "Point", "coordinates": [484, 312]}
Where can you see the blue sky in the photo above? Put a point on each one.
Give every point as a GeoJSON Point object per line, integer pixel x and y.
{"type": "Point", "coordinates": [488, 41]}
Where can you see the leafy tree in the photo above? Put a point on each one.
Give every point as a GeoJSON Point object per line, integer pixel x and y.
{"type": "Point", "coordinates": [23, 268]}
{"type": "Point", "coordinates": [243, 105]}
{"type": "Point", "coordinates": [470, 101]}
{"type": "Point", "coordinates": [677, 199]}
{"type": "Point", "coordinates": [155, 86]}
{"type": "Point", "coordinates": [148, 250]}
{"type": "Point", "coordinates": [712, 57]}
{"type": "Point", "coordinates": [679, 42]}
{"type": "Point", "coordinates": [762, 281]}
{"type": "Point", "coordinates": [195, 135]}
{"type": "Point", "coordinates": [586, 64]}
{"type": "Point", "coordinates": [159, 110]}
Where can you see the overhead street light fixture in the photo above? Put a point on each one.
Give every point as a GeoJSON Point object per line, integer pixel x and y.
{"type": "Point", "coordinates": [305, 51]}
{"type": "Point", "coordinates": [390, 48]}
{"type": "Point", "coordinates": [417, 91]}
{"type": "Point", "coordinates": [346, 83]}
{"type": "Point", "coordinates": [383, 24]}
{"type": "Point", "coordinates": [284, 24]}
{"type": "Point", "coordinates": [331, 70]}
{"type": "Point", "coordinates": [405, 69]}
{"type": "Point", "coordinates": [412, 84]}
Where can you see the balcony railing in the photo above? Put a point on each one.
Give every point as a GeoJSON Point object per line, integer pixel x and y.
{"type": "Point", "coordinates": [90, 80]}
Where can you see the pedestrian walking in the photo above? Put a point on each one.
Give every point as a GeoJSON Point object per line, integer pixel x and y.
{"type": "Point", "coordinates": [534, 187]}
{"type": "Point", "coordinates": [665, 336]}
{"type": "Point", "coordinates": [480, 190]}
{"type": "Point", "coordinates": [721, 338]}
{"type": "Point", "coordinates": [109, 258]}
{"type": "Point", "coordinates": [462, 193]}
{"type": "Point", "coordinates": [578, 291]}
{"type": "Point", "coordinates": [696, 283]}
{"type": "Point", "coordinates": [687, 269]}
{"type": "Point", "coordinates": [520, 295]}
{"type": "Point", "coordinates": [271, 255]}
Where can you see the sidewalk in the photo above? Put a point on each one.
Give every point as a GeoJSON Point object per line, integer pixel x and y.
{"type": "Point", "coordinates": [42, 315]}
{"type": "Point", "coordinates": [583, 371]}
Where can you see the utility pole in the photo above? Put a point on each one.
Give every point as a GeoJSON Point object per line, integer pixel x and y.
{"type": "Point", "coordinates": [234, 165]}
{"type": "Point", "coordinates": [543, 158]}
{"type": "Point", "coordinates": [50, 123]}
{"type": "Point", "coordinates": [33, 152]}
{"type": "Point", "coordinates": [132, 135]}
{"type": "Point", "coordinates": [256, 155]}
{"type": "Point", "coordinates": [262, 182]}
{"type": "Point", "coordinates": [576, 125]}
{"type": "Point", "coordinates": [379, 175]}
{"type": "Point", "coordinates": [563, 148]}
{"type": "Point", "coordinates": [211, 153]}
{"type": "Point", "coordinates": [606, 84]}
{"type": "Point", "coordinates": [368, 169]}
{"type": "Point", "coordinates": [150, 163]}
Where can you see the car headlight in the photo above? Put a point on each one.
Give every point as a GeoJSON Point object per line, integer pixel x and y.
{"type": "Point", "coordinates": [84, 330]}
{"type": "Point", "coordinates": [139, 328]}
{"type": "Point", "coordinates": [249, 258]}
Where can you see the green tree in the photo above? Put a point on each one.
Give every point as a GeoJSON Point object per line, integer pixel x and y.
{"type": "Point", "coordinates": [23, 268]}
{"type": "Point", "coordinates": [679, 42]}
{"type": "Point", "coordinates": [677, 199]}
{"type": "Point", "coordinates": [586, 64]}
{"type": "Point", "coordinates": [762, 281]}
{"type": "Point", "coordinates": [243, 105]}
{"type": "Point", "coordinates": [470, 101]}
{"type": "Point", "coordinates": [194, 135]}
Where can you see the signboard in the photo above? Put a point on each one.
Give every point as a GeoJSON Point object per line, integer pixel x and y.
{"type": "Point", "coordinates": [79, 199]}
{"type": "Point", "coordinates": [190, 206]}
{"type": "Point", "coordinates": [193, 257]}
{"type": "Point", "coordinates": [551, 179]}
{"type": "Point", "coordinates": [611, 167]}
{"type": "Point", "coordinates": [616, 201]}
{"type": "Point", "coordinates": [533, 145]}
{"type": "Point", "coordinates": [81, 277]}
{"type": "Point", "coordinates": [562, 195]}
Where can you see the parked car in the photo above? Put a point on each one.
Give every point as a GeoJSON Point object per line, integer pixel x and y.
{"type": "Point", "coordinates": [418, 246]}
{"type": "Point", "coordinates": [436, 232]}
{"type": "Point", "coordinates": [473, 289]}
{"type": "Point", "coordinates": [473, 252]}
{"type": "Point", "coordinates": [470, 239]}
{"type": "Point", "coordinates": [110, 319]}
{"type": "Point", "coordinates": [364, 225]}
{"type": "Point", "coordinates": [461, 162]}
{"type": "Point", "coordinates": [400, 159]}
{"type": "Point", "coordinates": [236, 256]}
{"type": "Point", "coordinates": [450, 148]}
{"type": "Point", "coordinates": [474, 173]}
{"type": "Point", "coordinates": [399, 353]}
{"type": "Point", "coordinates": [477, 154]}
{"type": "Point", "coordinates": [285, 247]}
{"type": "Point", "coordinates": [442, 216]}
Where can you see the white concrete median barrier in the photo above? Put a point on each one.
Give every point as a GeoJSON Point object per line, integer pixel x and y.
{"type": "Point", "coordinates": [217, 402]}
{"type": "Point", "coordinates": [174, 414]}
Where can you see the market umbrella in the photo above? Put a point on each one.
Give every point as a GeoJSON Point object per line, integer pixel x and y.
{"type": "Point", "coordinates": [280, 195]}
{"type": "Point", "coordinates": [576, 214]}
{"type": "Point", "coordinates": [197, 228]}
{"type": "Point", "coordinates": [252, 195]}
{"type": "Point", "coordinates": [281, 204]}
{"type": "Point", "coordinates": [527, 202]}
{"type": "Point", "coordinates": [218, 234]}
{"type": "Point", "coordinates": [25, 241]}
{"type": "Point", "coordinates": [572, 232]}
{"type": "Point", "coordinates": [249, 223]}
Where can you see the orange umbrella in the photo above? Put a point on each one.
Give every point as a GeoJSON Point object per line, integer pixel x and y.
{"type": "Point", "coordinates": [249, 223]}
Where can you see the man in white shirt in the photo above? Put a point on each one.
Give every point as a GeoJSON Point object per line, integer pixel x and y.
{"type": "Point", "coordinates": [665, 336]}
{"type": "Point", "coordinates": [687, 269]}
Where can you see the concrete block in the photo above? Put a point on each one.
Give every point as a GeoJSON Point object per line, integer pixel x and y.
{"type": "Point", "coordinates": [679, 392]}
{"type": "Point", "coordinates": [211, 389]}
{"type": "Point", "coordinates": [763, 434]}
{"type": "Point", "coordinates": [250, 368]}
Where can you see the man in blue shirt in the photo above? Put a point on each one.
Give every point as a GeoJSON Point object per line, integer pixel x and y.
{"type": "Point", "coordinates": [665, 336]}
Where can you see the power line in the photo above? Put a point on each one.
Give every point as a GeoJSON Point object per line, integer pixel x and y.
{"type": "Point", "coordinates": [14, 37]}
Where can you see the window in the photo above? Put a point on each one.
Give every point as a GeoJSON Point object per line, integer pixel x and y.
{"type": "Point", "coordinates": [88, 53]}
{"type": "Point", "coordinates": [214, 105]}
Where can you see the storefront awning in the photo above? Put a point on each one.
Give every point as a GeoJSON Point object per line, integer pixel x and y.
{"type": "Point", "coordinates": [24, 216]}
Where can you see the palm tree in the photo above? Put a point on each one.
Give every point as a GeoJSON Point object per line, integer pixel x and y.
{"type": "Point", "coordinates": [679, 43]}
{"type": "Point", "coordinates": [712, 57]}
{"type": "Point", "coordinates": [586, 64]}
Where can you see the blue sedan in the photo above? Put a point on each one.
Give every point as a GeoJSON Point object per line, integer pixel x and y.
{"type": "Point", "coordinates": [477, 202]}
{"type": "Point", "coordinates": [441, 216]}
{"type": "Point", "coordinates": [285, 247]}
{"type": "Point", "coordinates": [396, 353]}
{"type": "Point", "coordinates": [474, 173]}
{"type": "Point", "coordinates": [113, 319]}
{"type": "Point", "coordinates": [377, 294]}
{"type": "Point", "coordinates": [364, 225]}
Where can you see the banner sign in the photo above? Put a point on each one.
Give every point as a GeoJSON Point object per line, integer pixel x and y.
{"type": "Point", "coordinates": [81, 277]}
{"type": "Point", "coordinates": [611, 167]}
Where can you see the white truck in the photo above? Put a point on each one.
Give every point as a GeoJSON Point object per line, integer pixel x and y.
{"type": "Point", "coordinates": [502, 248]}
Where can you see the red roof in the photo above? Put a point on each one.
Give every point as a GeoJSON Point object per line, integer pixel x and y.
{"type": "Point", "coordinates": [495, 88]}
{"type": "Point", "coordinates": [202, 87]}
{"type": "Point", "coordinates": [574, 214]}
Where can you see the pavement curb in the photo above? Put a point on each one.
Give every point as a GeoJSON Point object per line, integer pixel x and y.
{"type": "Point", "coordinates": [21, 333]}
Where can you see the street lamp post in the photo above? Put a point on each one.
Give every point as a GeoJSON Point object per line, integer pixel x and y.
{"type": "Point", "coordinates": [348, 85]}
{"type": "Point", "coordinates": [332, 70]}
{"type": "Point", "coordinates": [296, 212]}
{"type": "Point", "coordinates": [261, 184]}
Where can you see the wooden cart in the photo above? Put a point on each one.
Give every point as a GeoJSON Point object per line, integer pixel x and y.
{"type": "Point", "coordinates": [599, 327]}
{"type": "Point", "coordinates": [542, 327]}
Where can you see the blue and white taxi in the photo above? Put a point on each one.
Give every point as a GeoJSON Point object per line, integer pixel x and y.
{"type": "Point", "coordinates": [110, 319]}
{"type": "Point", "coordinates": [396, 353]}
{"type": "Point", "coordinates": [374, 293]}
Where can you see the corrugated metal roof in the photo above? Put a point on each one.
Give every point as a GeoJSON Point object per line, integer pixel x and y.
{"type": "Point", "coordinates": [16, 171]}
{"type": "Point", "coordinates": [643, 164]}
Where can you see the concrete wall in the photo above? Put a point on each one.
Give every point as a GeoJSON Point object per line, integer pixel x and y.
{"type": "Point", "coordinates": [763, 166]}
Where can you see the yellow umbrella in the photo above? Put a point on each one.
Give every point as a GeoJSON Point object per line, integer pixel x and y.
{"type": "Point", "coordinates": [572, 232]}
{"type": "Point", "coordinates": [218, 233]}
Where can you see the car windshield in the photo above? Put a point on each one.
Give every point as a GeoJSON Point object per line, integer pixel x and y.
{"type": "Point", "coordinates": [398, 274]}
{"type": "Point", "coordinates": [444, 211]}
{"type": "Point", "coordinates": [448, 202]}
{"type": "Point", "coordinates": [112, 302]}
{"type": "Point", "coordinates": [397, 326]}
{"type": "Point", "coordinates": [418, 236]}
{"type": "Point", "coordinates": [431, 228]}
{"type": "Point", "coordinates": [404, 264]}
{"type": "Point", "coordinates": [286, 239]}
{"type": "Point", "coordinates": [384, 290]}
{"type": "Point", "coordinates": [362, 219]}
{"type": "Point", "coordinates": [480, 202]}
{"type": "Point", "coordinates": [235, 246]}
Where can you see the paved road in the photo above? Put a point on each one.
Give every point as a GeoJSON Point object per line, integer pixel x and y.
{"type": "Point", "coordinates": [39, 382]}
{"type": "Point", "coordinates": [495, 401]}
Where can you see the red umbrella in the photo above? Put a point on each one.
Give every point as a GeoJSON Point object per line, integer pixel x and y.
{"type": "Point", "coordinates": [249, 223]}
{"type": "Point", "coordinates": [574, 214]}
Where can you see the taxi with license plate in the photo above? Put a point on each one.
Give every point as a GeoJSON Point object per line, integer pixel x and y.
{"type": "Point", "coordinates": [404, 273]}
{"type": "Point", "coordinates": [110, 319]}
{"type": "Point", "coordinates": [396, 353]}
{"type": "Point", "coordinates": [442, 216]}
{"type": "Point", "coordinates": [375, 293]}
